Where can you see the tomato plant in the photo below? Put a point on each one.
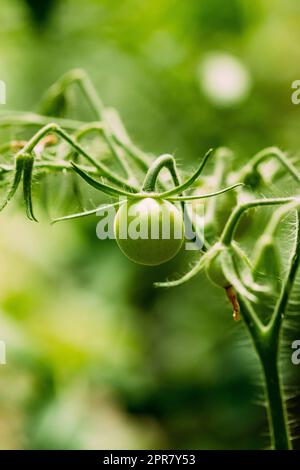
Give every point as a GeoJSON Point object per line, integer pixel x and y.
{"type": "Point", "coordinates": [146, 200]}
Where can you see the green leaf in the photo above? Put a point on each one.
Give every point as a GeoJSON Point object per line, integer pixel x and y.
{"type": "Point", "coordinates": [19, 165]}
{"type": "Point", "coordinates": [28, 162]}
{"type": "Point", "coordinates": [101, 186]}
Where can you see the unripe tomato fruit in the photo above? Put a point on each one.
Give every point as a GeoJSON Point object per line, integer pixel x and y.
{"type": "Point", "coordinates": [214, 271]}
{"type": "Point", "coordinates": [149, 231]}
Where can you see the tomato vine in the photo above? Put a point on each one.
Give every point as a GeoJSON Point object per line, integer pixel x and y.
{"type": "Point", "coordinates": [136, 176]}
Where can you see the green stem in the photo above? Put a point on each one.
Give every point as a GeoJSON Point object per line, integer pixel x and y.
{"type": "Point", "coordinates": [281, 306]}
{"type": "Point", "coordinates": [264, 155]}
{"type": "Point", "coordinates": [266, 340]}
{"type": "Point", "coordinates": [223, 158]}
{"type": "Point", "coordinates": [83, 81]}
{"type": "Point", "coordinates": [80, 77]}
{"type": "Point", "coordinates": [142, 160]}
{"type": "Point", "coordinates": [182, 187]}
{"type": "Point", "coordinates": [202, 196]}
{"type": "Point", "coordinates": [277, 414]}
{"type": "Point", "coordinates": [52, 166]}
{"type": "Point", "coordinates": [100, 128]}
{"type": "Point", "coordinates": [164, 161]}
{"type": "Point", "coordinates": [36, 120]}
{"type": "Point", "coordinates": [266, 344]}
{"type": "Point", "coordinates": [29, 147]}
{"type": "Point", "coordinates": [97, 106]}
{"type": "Point", "coordinates": [280, 156]}
{"type": "Point", "coordinates": [265, 246]}
{"type": "Point", "coordinates": [232, 222]}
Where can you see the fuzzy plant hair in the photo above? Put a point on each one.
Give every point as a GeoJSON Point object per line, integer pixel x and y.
{"type": "Point", "coordinates": [263, 288]}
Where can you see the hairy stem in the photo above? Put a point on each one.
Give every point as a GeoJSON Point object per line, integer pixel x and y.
{"type": "Point", "coordinates": [79, 77]}
{"type": "Point", "coordinates": [266, 344]}
{"type": "Point", "coordinates": [164, 161]}
{"type": "Point", "coordinates": [281, 306]}
{"type": "Point", "coordinates": [280, 156]}
{"type": "Point", "coordinates": [266, 340]}
{"type": "Point", "coordinates": [115, 151]}
{"type": "Point", "coordinates": [232, 222]}
{"type": "Point", "coordinates": [182, 187]}
{"type": "Point", "coordinates": [29, 147]}
{"type": "Point", "coordinates": [277, 414]}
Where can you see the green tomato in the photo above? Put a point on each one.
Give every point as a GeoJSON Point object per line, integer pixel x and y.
{"type": "Point", "coordinates": [214, 271]}
{"type": "Point", "coordinates": [149, 231]}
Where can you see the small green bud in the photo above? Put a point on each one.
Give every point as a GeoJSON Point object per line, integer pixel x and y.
{"type": "Point", "coordinates": [214, 270]}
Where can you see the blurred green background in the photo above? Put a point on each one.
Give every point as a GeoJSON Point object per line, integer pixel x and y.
{"type": "Point", "coordinates": [97, 358]}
